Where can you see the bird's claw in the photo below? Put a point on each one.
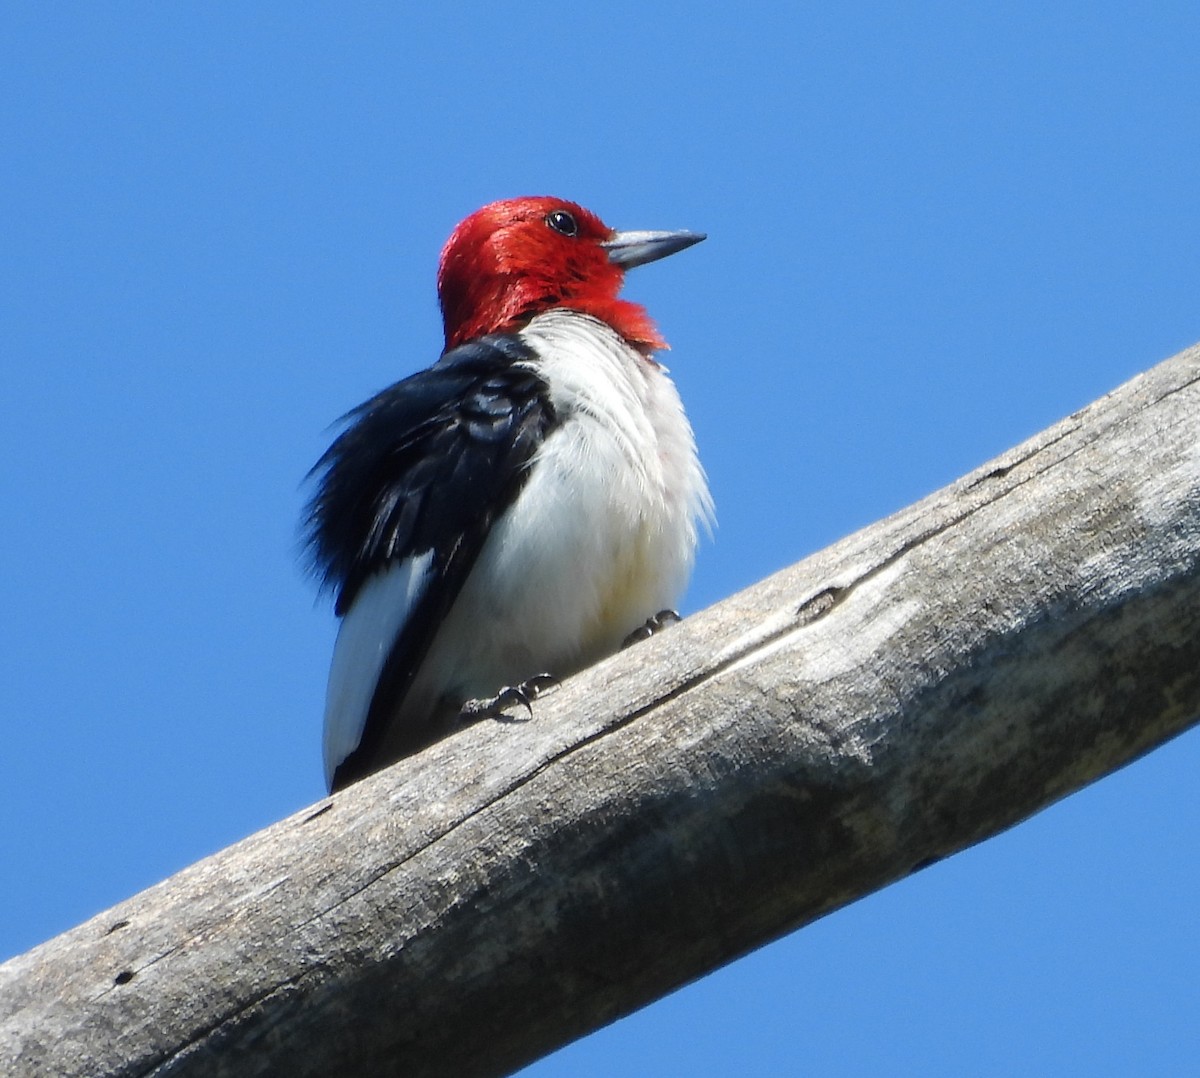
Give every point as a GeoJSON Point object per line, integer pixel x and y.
{"type": "Point", "coordinates": [522, 695]}
{"type": "Point", "coordinates": [652, 625]}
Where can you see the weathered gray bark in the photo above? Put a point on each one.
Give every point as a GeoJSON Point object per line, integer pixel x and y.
{"type": "Point", "coordinates": [919, 686]}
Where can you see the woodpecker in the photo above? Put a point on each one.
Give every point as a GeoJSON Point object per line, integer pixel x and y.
{"type": "Point", "coordinates": [519, 507]}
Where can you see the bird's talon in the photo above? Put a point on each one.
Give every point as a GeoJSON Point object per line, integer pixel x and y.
{"type": "Point", "coordinates": [538, 684]}
{"type": "Point", "coordinates": [664, 618]}
{"type": "Point", "coordinates": [510, 696]}
{"type": "Point", "coordinates": [521, 695]}
{"type": "Point", "coordinates": [651, 626]}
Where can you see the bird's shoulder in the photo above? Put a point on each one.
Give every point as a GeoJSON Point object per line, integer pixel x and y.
{"type": "Point", "coordinates": [428, 462]}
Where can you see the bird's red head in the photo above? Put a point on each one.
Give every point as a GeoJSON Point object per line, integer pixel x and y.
{"type": "Point", "coordinates": [517, 258]}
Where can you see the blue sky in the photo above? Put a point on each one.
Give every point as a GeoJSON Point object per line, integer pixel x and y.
{"type": "Point", "coordinates": [932, 233]}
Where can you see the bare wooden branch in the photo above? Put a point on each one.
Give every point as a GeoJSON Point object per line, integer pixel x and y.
{"type": "Point", "coordinates": [917, 687]}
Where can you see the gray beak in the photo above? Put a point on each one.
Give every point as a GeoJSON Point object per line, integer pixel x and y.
{"type": "Point", "coordinates": [629, 249]}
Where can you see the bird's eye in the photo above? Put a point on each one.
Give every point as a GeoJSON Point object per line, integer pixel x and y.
{"type": "Point", "coordinates": [563, 222]}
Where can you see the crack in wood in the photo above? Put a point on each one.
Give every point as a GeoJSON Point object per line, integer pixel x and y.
{"type": "Point", "coordinates": [197, 1038]}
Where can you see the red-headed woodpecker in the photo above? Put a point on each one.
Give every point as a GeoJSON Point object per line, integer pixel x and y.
{"type": "Point", "coordinates": [520, 506]}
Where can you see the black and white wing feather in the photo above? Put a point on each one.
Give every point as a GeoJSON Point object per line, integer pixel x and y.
{"type": "Point", "coordinates": [405, 499]}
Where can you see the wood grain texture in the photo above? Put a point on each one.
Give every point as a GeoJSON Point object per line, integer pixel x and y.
{"type": "Point", "coordinates": [917, 687]}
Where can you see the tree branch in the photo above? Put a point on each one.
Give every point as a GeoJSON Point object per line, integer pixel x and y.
{"type": "Point", "coordinates": [913, 689]}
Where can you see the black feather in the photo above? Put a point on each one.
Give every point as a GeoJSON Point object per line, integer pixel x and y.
{"type": "Point", "coordinates": [426, 463]}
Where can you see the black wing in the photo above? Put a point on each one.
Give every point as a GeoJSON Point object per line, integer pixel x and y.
{"type": "Point", "coordinates": [426, 465]}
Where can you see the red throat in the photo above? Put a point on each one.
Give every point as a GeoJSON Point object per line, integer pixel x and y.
{"type": "Point", "coordinates": [506, 263]}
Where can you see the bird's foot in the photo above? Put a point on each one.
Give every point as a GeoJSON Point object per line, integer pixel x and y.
{"type": "Point", "coordinates": [522, 695]}
{"type": "Point", "coordinates": [643, 632]}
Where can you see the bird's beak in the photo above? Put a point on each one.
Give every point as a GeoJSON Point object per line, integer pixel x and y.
{"type": "Point", "coordinates": [629, 249]}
